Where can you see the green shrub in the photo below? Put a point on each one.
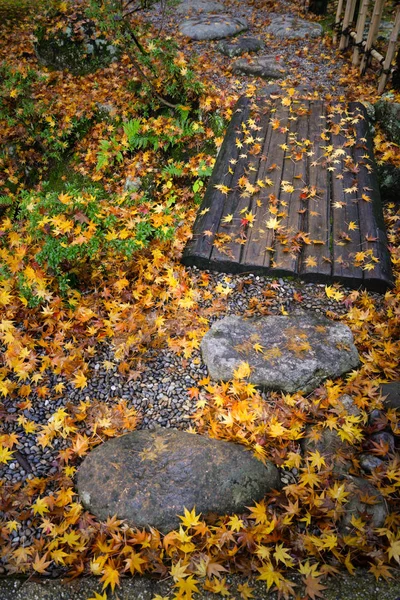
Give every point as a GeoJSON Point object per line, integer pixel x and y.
{"type": "Point", "coordinates": [73, 234]}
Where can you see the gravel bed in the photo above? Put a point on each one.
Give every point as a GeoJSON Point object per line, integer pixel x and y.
{"type": "Point", "coordinates": [312, 65]}
{"type": "Point", "coordinates": [160, 392]}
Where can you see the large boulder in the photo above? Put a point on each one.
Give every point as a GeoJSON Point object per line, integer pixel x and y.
{"type": "Point", "coordinates": [212, 27]}
{"type": "Point", "coordinates": [290, 27]}
{"type": "Point", "coordinates": [287, 353]}
{"type": "Point", "coordinates": [149, 477]}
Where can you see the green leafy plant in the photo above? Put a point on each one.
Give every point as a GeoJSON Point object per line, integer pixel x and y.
{"type": "Point", "coordinates": [34, 134]}
{"type": "Point", "coordinates": [72, 234]}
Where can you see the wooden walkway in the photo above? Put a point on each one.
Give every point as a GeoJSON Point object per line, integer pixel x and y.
{"type": "Point", "coordinates": [294, 192]}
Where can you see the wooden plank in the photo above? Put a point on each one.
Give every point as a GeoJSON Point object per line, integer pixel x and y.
{"type": "Point", "coordinates": [318, 203]}
{"type": "Point", "coordinates": [198, 249]}
{"type": "Point", "coordinates": [286, 260]}
{"type": "Point", "coordinates": [331, 203]}
{"type": "Point", "coordinates": [372, 226]}
{"type": "Point", "coordinates": [239, 201]}
{"type": "Point", "coordinates": [255, 252]}
{"type": "Point", "coordinates": [346, 233]}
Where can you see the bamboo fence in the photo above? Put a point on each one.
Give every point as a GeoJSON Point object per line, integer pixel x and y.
{"type": "Point", "coordinates": [353, 29]}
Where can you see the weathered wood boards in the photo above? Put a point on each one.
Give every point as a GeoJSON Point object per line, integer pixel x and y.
{"type": "Point", "coordinates": [294, 192]}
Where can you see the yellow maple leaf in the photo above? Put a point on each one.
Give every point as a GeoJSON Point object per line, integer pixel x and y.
{"type": "Point", "coordinates": [178, 571]}
{"type": "Point", "coordinates": [330, 291]}
{"type": "Point", "coordinates": [258, 348]}
{"type": "Point", "coordinates": [242, 371]}
{"type": "Point", "coordinates": [287, 187]}
{"type": "Point", "coordinates": [5, 454]}
{"type": "Point", "coordinates": [227, 219]}
{"type": "Point", "coordinates": [311, 262]}
{"type": "Point", "coordinates": [258, 512]}
{"type": "Point", "coordinates": [98, 596]}
{"type": "Point", "coordinates": [272, 223]}
{"type": "Point", "coordinates": [110, 575]}
{"type": "Point", "coordinates": [282, 555]}
{"type": "Point", "coordinates": [80, 381]}
{"type": "Point", "coordinates": [245, 591]}
{"type": "Point", "coordinates": [269, 575]}
{"type": "Point", "coordinates": [40, 506]}
{"type": "Point", "coordinates": [224, 189]}
{"type": "Point", "coordinates": [190, 519]}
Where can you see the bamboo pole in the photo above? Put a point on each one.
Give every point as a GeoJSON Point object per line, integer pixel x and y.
{"type": "Point", "coordinates": [347, 19]}
{"type": "Point", "coordinates": [374, 53]}
{"type": "Point", "coordinates": [372, 33]}
{"type": "Point", "coordinates": [390, 52]}
{"type": "Point", "coordinates": [362, 17]}
{"type": "Point", "coordinates": [337, 20]}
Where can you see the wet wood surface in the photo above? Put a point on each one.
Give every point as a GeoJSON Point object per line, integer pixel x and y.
{"type": "Point", "coordinates": [294, 191]}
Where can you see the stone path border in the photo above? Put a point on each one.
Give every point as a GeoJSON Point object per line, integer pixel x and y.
{"type": "Point", "coordinates": [361, 586]}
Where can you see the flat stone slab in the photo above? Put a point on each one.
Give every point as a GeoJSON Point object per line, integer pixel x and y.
{"type": "Point", "coordinates": [240, 45]}
{"type": "Point", "coordinates": [266, 67]}
{"type": "Point", "coordinates": [290, 27]}
{"type": "Point", "coordinates": [199, 6]}
{"type": "Point", "coordinates": [287, 353]}
{"type": "Point", "coordinates": [149, 477]}
{"type": "Point", "coordinates": [212, 27]}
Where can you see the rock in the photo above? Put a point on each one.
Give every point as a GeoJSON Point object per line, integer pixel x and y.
{"type": "Point", "coordinates": [107, 109]}
{"type": "Point", "coordinates": [77, 48]}
{"type": "Point", "coordinates": [263, 66]}
{"type": "Point", "coordinates": [240, 45]}
{"type": "Point", "coordinates": [373, 514]}
{"type": "Point", "coordinates": [370, 108]}
{"type": "Point", "coordinates": [388, 116]}
{"type": "Point", "coordinates": [212, 27]}
{"type": "Point", "coordinates": [383, 438]}
{"type": "Point", "coordinates": [148, 478]}
{"type": "Point", "coordinates": [368, 462]}
{"type": "Point", "coordinates": [377, 419]}
{"type": "Point", "coordinates": [132, 184]}
{"type": "Point", "coordinates": [330, 445]}
{"type": "Point", "coordinates": [392, 392]}
{"type": "Point", "coordinates": [199, 6]}
{"type": "Point", "coordinates": [389, 183]}
{"type": "Point", "coordinates": [349, 405]}
{"type": "Point", "coordinates": [298, 351]}
{"type": "Point", "coordinates": [290, 27]}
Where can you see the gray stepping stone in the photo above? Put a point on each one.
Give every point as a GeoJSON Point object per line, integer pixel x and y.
{"type": "Point", "coordinates": [240, 45]}
{"type": "Point", "coordinates": [266, 67]}
{"type": "Point", "coordinates": [290, 27]}
{"type": "Point", "coordinates": [298, 352]}
{"type": "Point", "coordinates": [150, 477]}
{"type": "Point", "coordinates": [212, 27]}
